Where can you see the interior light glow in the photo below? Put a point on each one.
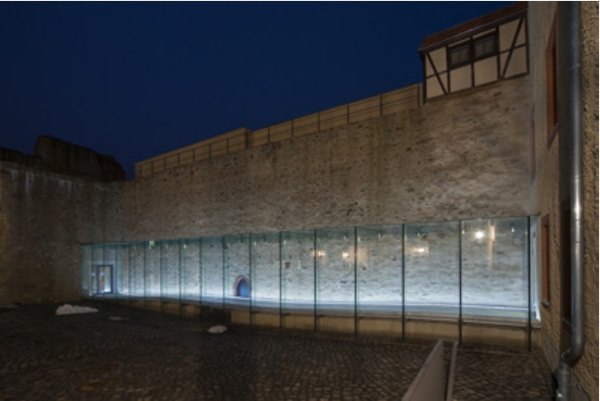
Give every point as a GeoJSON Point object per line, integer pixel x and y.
{"type": "Point", "coordinates": [345, 255]}
{"type": "Point", "coordinates": [479, 234]}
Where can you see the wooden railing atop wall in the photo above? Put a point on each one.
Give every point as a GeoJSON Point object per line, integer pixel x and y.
{"type": "Point", "coordinates": [377, 106]}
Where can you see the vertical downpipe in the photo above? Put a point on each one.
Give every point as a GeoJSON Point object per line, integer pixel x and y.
{"type": "Point", "coordinates": [572, 13]}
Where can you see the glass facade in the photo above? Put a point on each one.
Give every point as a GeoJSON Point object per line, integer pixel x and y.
{"type": "Point", "coordinates": [453, 271]}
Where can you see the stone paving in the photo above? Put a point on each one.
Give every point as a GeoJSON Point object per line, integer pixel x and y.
{"type": "Point", "coordinates": [152, 356]}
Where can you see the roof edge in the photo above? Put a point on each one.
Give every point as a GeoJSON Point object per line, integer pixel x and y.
{"type": "Point", "coordinates": [472, 26]}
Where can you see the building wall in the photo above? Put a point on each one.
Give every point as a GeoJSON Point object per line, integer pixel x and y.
{"type": "Point", "coordinates": [44, 218]}
{"type": "Point", "coordinates": [463, 156]}
{"type": "Point", "coordinates": [588, 368]}
{"type": "Point", "coordinates": [550, 185]}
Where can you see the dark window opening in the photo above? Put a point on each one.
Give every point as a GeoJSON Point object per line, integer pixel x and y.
{"type": "Point", "coordinates": [473, 50]}
{"type": "Point", "coordinates": [460, 55]}
{"type": "Point", "coordinates": [485, 46]}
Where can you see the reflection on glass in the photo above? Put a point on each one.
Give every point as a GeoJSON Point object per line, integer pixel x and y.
{"type": "Point", "coordinates": [298, 283]}
{"type": "Point", "coordinates": [335, 270]}
{"type": "Point", "coordinates": [301, 271]}
{"type": "Point", "coordinates": [212, 270]}
{"type": "Point", "coordinates": [96, 288]}
{"type": "Point", "coordinates": [106, 273]}
{"type": "Point", "coordinates": [190, 269]}
{"type": "Point", "coordinates": [431, 270]}
{"type": "Point", "coordinates": [266, 271]}
{"type": "Point", "coordinates": [379, 269]}
{"type": "Point", "coordinates": [535, 311]}
{"type": "Point", "coordinates": [136, 283]}
{"type": "Point", "coordinates": [494, 267]}
{"type": "Point", "coordinates": [152, 258]}
{"type": "Point", "coordinates": [170, 265]}
{"type": "Point", "coordinates": [122, 270]}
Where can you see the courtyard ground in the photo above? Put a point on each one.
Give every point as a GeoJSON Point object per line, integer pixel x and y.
{"type": "Point", "coordinates": [151, 356]}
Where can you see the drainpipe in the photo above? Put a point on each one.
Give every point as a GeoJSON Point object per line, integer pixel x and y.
{"type": "Point", "coordinates": [564, 375]}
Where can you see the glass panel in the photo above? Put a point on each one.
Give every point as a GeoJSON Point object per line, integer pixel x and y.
{"type": "Point", "coordinates": [190, 270]}
{"type": "Point", "coordinates": [86, 270]}
{"type": "Point", "coordinates": [122, 273]}
{"type": "Point", "coordinates": [431, 272]}
{"type": "Point", "coordinates": [298, 284]}
{"type": "Point", "coordinates": [104, 277]}
{"type": "Point", "coordinates": [212, 271]}
{"type": "Point", "coordinates": [237, 271]}
{"type": "Point", "coordinates": [136, 282]}
{"type": "Point", "coordinates": [170, 265]}
{"type": "Point", "coordinates": [110, 266]}
{"type": "Point", "coordinates": [535, 311]}
{"type": "Point", "coordinates": [152, 269]}
{"type": "Point", "coordinates": [494, 268]}
{"type": "Point", "coordinates": [266, 271]}
{"type": "Point", "coordinates": [335, 270]}
{"type": "Point", "coordinates": [97, 260]}
{"type": "Point", "coordinates": [379, 270]}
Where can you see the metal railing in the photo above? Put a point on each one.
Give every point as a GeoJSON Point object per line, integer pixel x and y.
{"type": "Point", "coordinates": [396, 101]}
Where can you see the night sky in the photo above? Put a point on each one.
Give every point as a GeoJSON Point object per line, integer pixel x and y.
{"type": "Point", "coordinates": [134, 80]}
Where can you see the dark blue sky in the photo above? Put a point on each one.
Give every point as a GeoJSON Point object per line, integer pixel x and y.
{"type": "Point", "coordinates": [138, 79]}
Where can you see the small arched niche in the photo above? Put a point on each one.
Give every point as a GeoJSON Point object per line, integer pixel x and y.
{"type": "Point", "coordinates": [241, 287]}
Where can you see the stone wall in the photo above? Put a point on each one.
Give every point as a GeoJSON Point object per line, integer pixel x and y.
{"type": "Point", "coordinates": [463, 156]}
{"type": "Point", "coordinates": [44, 218]}
{"type": "Point", "coordinates": [550, 184]}
{"type": "Point", "coordinates": [67, 158]}
{"type": "Point", "coordinates": [588, 368]}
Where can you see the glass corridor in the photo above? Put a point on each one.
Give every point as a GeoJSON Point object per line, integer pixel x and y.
{"type": "Point", "coordinates": [457, 271]}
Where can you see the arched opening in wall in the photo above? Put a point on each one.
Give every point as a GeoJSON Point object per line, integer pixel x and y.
{"type": "Point", "coordinates": [241, 287]}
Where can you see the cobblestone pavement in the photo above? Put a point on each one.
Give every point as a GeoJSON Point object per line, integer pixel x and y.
{"type": "Point", "coordinates": [500, 374]}
{"type": "Point", "coordinates": [152, 356]}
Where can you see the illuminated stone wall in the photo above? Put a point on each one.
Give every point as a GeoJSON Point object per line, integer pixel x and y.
{"type": "Point", "coordinates": [463, 156]}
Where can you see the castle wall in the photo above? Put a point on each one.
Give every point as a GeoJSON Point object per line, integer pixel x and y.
{"type": "Point", "coordinates": [460, 157]}
{"type": "Point", "coordinates": [44, 219]}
